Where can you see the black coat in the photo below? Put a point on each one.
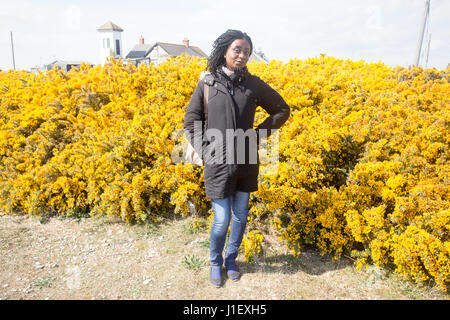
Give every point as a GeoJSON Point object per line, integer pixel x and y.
{"type": "Point", "coordinates": [231, 105]}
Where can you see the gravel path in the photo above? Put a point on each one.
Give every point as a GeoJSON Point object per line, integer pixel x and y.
{"type": "Point", "coordinates": [104, 258]}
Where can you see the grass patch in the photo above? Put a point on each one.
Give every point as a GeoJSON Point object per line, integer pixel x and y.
{"type": "Point", "coordinates": [44, 282]}
{"type": "Point", "coordinates": [192, 262]}
{"type": "Point", "coordinates": [195, 226]}
{"type": "Point", "coordinates": [146, 230]}
{"type": "Point", "coordinates": [204, 243]}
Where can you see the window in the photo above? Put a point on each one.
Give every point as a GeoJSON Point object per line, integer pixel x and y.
{"type": "Point", "coordinates": [106, 43]}
{"type": "Point", "coordinates": [118, 47]}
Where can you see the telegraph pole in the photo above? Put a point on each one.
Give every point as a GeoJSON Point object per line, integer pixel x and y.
{"type": "Point", "coordinates": [12, 48]}
{"type": "Point", "coordinates": [428, 51]}
{"type": "Point", "coordinates": [426, 13]}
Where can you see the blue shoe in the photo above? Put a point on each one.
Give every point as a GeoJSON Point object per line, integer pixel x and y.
{"type": "Point", "coordinates": [233, 271]}
{"type": "Point", "coordinates": [234, 275]}
{"type": "Point", "coordinates": [216, 276]}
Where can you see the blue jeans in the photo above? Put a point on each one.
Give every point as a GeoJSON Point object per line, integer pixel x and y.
{"type": "Point", "coordinates": [236, 208]}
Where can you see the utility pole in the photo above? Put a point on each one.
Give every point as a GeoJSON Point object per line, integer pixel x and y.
{"type": "Point", "coordinates": [12, 48]}
{"type": "Point", "coordinates": [428, 50]}
{"type": "Point", "coordinates": [426, 13]}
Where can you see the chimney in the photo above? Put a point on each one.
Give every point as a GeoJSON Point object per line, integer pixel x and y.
{"type": "Point", "coordinates": [186, 42]}
{"type": "Point", "coordinates": [141, 40]}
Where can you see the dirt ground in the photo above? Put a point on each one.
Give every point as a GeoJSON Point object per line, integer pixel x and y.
{"type": "Point", "coordinates": [104, 258]}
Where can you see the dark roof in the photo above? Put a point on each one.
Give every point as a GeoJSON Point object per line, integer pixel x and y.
{"type": "Point", "coordinates": [140, 51]}
{"type": "Point", "coordinates": [178, 49]}
{"type": "Point", "coordinates": [109, 26]}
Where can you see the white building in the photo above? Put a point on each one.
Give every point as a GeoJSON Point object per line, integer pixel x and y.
{"type": "Point", "coordinates": [160, 51]}
{"type": "Point", "coordinates": [110, 41]}
{"type": "Point", "coordinates": [63, 65]}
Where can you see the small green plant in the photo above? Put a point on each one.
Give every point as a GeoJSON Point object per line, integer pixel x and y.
{"type": "Point", "coordinates": [44, 282]}
{"type": "Point", "coordinates": [205, 243]}
{"type": "Point", "coordinates": [136, 293]}
{"type": "Point", "coordinates": [170, 251]}
{"type": "Point", "coordinates": [192, 262]}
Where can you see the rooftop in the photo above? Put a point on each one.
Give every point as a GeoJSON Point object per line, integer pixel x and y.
{"type": "Point", "coordinates": [142, 50]}
{"type": "Point", "coordinates": [110, 26]}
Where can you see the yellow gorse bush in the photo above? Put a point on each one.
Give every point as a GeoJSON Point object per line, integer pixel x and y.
{"type": "Point", "coordinates": [252, 243]}
{"type": "Point", "coordinates": [96, 140]}
{"type": "Point", "coordinates": [364, 157]}
{"type": "Point", "coordinates": [364, 163]}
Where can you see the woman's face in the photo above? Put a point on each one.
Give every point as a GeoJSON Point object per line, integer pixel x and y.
{"type": "Point", "coordinates": [237, 54]}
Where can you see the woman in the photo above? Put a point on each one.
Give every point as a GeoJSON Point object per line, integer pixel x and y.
{"type": "Point", "coordinates": [233, 95]}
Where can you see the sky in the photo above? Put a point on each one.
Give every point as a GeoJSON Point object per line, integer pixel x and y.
{"type": "Point", "coordinates": [384, 31]}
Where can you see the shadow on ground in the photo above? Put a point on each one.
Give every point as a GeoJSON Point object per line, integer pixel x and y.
{"type": "Point", "coordinates": [309, 261]}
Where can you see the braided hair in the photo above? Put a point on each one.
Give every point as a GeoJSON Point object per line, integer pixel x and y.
{"type": "Point", "coordinates": [220, 47]}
